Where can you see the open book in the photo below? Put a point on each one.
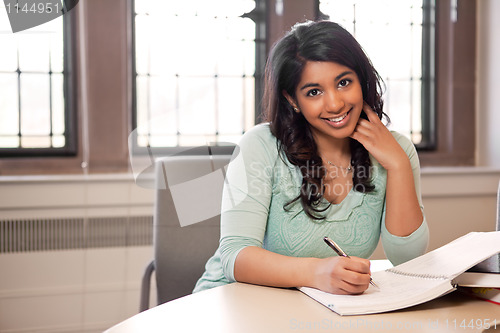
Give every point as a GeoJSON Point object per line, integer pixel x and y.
{"type": "Point", "coordinates": [416, 281]}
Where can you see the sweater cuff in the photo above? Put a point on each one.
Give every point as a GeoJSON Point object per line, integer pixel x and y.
{"type": "Point", "coordinates": [230, 247]}
{"type": "Point", "coordinates": [401, 249]}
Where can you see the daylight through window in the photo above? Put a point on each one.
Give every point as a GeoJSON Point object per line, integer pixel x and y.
{"type": "Point", "coordinates": [32, 106]}
{"type": "Point", "coordinates": [194, 65]}
{"type": "Point", "coordinates": [392, 32]}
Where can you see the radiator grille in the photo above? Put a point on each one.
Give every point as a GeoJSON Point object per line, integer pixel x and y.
{"type": "Point", "coordinates": [74, 233]}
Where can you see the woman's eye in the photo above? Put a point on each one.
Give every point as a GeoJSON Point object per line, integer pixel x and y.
{"type": "Point", "coordinates": [344, 82]}
{"type": "Point", "coordinates": [313, 92]}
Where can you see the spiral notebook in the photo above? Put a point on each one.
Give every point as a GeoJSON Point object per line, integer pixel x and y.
{"type": "Point", "coordinates": [416, 281]}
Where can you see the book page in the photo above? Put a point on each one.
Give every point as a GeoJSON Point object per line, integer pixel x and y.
{"type": "Point", "coordinates": [394, 292]}
{"type": "Point", "coordinates": [473, 279]}
{"type": "Point", "coordinates": [453, 258]}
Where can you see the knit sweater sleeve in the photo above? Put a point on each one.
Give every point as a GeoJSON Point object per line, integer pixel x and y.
{"type": "Point", "coordinates": [247, 195]}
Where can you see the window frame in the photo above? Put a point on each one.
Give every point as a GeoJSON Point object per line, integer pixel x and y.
{"type": "Point", "coordinates": [258, 15]}
{"type": "Point", "coordinates": [109, 33]}
{"type": "Point", "coordinates": [70, 102]}
{"type": "Point", "coordinates": [428, 94]}
{"type": "Point", "coordinates": [428, 106]}
{"type": "Point", "coordinates": [455, 85]}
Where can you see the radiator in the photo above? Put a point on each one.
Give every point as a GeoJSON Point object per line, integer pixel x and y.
{"type": "Point", "coordinates": [79, 275]}
{"type": "Point", "coordinates": [29, 235]}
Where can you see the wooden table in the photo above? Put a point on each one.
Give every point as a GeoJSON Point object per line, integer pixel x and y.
{"type": "Point", "coordinates": [241, 308]}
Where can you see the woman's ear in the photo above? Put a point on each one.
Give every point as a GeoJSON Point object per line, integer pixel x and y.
{"type": "Point", "coordinates": [291, 101]}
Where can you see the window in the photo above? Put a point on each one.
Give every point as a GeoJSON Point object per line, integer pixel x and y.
{"type": "Point", "coordinates": [398, 37]}
{"type": "Point", "coordinates": [107, 32]}
{"type": "Point", "coordinates": [197, 68]}
{"type": "Point", "coordinates": [35, 105]}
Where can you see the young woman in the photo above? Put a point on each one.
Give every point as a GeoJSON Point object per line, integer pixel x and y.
{"type": "Point", "coordinates": [323, 164]}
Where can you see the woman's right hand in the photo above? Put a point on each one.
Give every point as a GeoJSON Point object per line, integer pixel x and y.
{"type": "Point", "coordinates": [341, 275]}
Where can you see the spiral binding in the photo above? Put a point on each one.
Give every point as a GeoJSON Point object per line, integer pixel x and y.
{"type": "Point", "coordinates": [423, 276]}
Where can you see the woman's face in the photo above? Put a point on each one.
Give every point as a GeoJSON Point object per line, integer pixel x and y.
{"type": "Point", "coordinates": [329, 96]}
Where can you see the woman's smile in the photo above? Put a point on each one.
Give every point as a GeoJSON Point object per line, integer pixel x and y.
{"type": "Point", "coordinates": [339, 121]}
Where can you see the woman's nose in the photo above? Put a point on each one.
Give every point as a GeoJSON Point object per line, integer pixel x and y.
{"type": "Point", "coordinates": [334, 101]}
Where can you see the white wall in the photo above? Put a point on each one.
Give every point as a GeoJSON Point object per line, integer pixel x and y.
{"type": "Point", "coordinates": [457, 201]}
{"type": "Point", "coordinates": [488, 83]}
{"type": "Point", "coordinates": [82, 290]}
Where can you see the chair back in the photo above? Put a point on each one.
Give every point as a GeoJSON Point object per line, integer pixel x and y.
{"type": "Point", "coordinates": [186, 220]}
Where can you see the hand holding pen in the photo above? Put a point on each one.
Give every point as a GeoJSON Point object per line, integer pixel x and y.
{"type": "Point", "coordinates": [341, 253]}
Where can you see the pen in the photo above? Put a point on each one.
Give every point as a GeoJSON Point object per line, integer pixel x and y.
{"type": "Point", "coordinates": [341, 253]}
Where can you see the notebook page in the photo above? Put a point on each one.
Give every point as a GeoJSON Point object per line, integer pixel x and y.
{"type": "Point", "coordinates": [453, 258]}
{"type": "Point", "coordinates": [394, 292]}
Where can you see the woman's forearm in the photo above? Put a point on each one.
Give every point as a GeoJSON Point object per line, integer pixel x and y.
{"type": "Point", "coordinates": [259, 266]}
{"type": "Point", "coordinates": [403, 213]}
{"type": "Point", "coordinates": [339, 275]}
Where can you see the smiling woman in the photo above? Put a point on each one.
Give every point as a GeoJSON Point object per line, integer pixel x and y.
{"type": "Point", "coordinates": [330, 98]}
{"type": "Point", "coordinates": [336, 78]}
{"type": "Point", "coordinates": [323, 111]}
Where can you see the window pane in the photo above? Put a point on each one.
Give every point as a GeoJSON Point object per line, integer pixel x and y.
{"type": "Point", "coordinates": [142, 97]}
{"type": "Point", "coordinates": [58, 141]}
{"type": "Point", "coordinates": [195, 62]}
{"type": "Point", "coordinates": [398, 105]}
{"type": "Point", "coordinates": [416, 105]}
{"type": "Point", "coordinates": [9, 141]}
{"type": "Point", "coordinates": [57, 88]}
{"type": "Point", "coordinates": [214, 8]}
{"type": "Point", "coordinates": [141, 44]}
{"type": "Point", "coordinates": [9, 106]}
{"type": "Point", "coordinates": [163, 108]}
{"type": "Point", "coordinates": [8, 55]}
{"type": "Point", "coordinates": [32, 87]}
{"type": "Point", "coordinates": [197, 106]}
{"type": "Point", "coordinates": [35, 104]}
{"type": "Point", "coordinates": [34, 52]}
{"type": "Point", "coordinates": [230, 120]}
{"type": "Point", "coordinates": [35, 141]}
{"type": "Point", "coordinates": [56, 47]}
{"type": "Point", "coordinates": [249, 103]}
{"type": "Point", "coordinates": [236, 58]}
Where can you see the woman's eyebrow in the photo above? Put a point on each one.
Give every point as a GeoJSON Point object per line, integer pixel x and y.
{"type": "Point", "coordinates": [338, 77]}
{"type": "Point", "coordinates": [309, 85]}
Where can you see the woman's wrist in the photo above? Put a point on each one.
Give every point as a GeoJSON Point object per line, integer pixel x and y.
{"type": "Point", "coordinates": [310, 273]}
{"type": "Point", "coordinates": [401, 163]}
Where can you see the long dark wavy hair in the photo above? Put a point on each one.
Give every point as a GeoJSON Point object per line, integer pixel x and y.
{"type": "Point", "coordinates": [315, 41]}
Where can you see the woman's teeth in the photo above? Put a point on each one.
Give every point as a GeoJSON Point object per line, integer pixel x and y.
{"type": "Point", "coordinates": [338, 119]}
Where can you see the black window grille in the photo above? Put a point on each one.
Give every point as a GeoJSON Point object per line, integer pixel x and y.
{"type": "Point", "coordinates": [197, 71]}
{"type": "Point", "coordinates": [37, 112]}
{"type": "Point", "coordinates": [398, 36]}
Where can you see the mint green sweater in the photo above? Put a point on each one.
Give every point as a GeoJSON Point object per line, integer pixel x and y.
{"type": "Point", "coordinates": [260, 182]}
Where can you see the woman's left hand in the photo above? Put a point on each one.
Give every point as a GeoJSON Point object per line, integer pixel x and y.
{"type": "Point", "coordinates": [378, 140]}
